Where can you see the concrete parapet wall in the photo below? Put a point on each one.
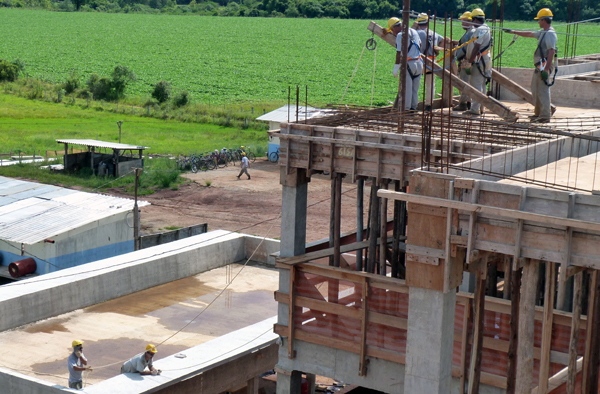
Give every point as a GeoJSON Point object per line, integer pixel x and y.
{"type": "Point", "coordinates": [14, 382]}
{"type": "Point", "coordinates": [78, 287]}
{"type": "Point", "coordinates": [265, 249]}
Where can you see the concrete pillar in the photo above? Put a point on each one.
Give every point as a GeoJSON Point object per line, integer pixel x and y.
{"type": "Point", "coordinates": [293, 227]}
{"type": "Point", "coordinates": [289, 384]}
{"type": "Point", "coordinates": [468, 282]}
{"type": "Point", "coordinates": [430, 338]}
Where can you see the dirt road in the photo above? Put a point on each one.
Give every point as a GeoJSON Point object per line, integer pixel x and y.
{"type": "Point", "coordinates": [249, 206]}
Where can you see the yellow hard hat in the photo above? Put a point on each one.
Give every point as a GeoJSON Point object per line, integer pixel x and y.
{"type": "Point", "coordinates": [477, 12]}
{"type": "Point", "coordinates": [243, 153]}
{"type": "Point", "coordinates": [76, 342]}
{"type": "Point", "coordinates": [422, 18]}
{"type": "Point", "coordinates": [242, 147]}
{"type": "Point", "coordinates": [544, 13]}
{"type": "Point", "coordinates": [466, 16]}
{"type": "Point", "coordinates": [391, 22]}
{"type": "Point", "coordinates": [151, 348]}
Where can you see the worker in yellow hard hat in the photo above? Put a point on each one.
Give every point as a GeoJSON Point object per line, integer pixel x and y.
{"type": "Point", "coordinates": [139, 363]}
{"type": "Point", "coordinates": [543, 60]}
{"type": "Point", "coordinates": [414, 64]}
{"type": "Point", "coordinates": [464, 102]}
{"type": "Point", "coordinates": [429, 40]}
{"type": "Point", "coordinates": [244, 165]}
{"type": "Point", "coordinates": [77, 363]}
{"type": "Point", "coordinates": [478, 60]}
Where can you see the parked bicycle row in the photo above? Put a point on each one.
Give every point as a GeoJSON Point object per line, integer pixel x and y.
{"type": "Point", "coordinates": [213, 160]}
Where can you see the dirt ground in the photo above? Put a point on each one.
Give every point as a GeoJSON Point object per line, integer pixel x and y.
{"type": "Point", "coordinates": [249, 206]}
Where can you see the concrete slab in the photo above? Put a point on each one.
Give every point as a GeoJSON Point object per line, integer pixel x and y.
{"type": "Point", "coordinates": [116, 330]}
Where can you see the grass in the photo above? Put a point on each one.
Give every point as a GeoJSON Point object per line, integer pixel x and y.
{"type": "Point", "coordinates": [28, 125]}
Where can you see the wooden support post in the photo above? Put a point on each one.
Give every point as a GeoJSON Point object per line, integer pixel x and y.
{"type": "Point", "coordinates": [592, 283]}
{"type": "Point", "coordinates": [373, 227]}
{"type": "Point", "coordinates": [593, 345]}
{"type": "Point", "coordinates": [478, 320]}
{"type": "Point", "coordinates": [383, 232]}
{"type": "Point", "coordinates": [338, 220]}
{"type": "Point", "coordinates": [362, 368]}
{"type": "Point", "coordinates": [360, 194]}
{"type": "Point", "coordinates": [92, 149]}
{"type": "Point", "coordinates": [332, 218]}
{"type": "Point", "coordinates": [526, 327]}
{"type": "Point", "coordinates": [396, 234]}
{"type": "Point", "coordinates": [252, 387]}
{"type": "Point", "coordinates": [547, 327]}
{"type": "Point", "coordinates": [514, 331]}
{"type": "Point", "coordinates": [65, 159]}
{"type": "Point", "coordinates": [291, 351]}
{"type": "Point", "coordinates": [574, 341]}
{"type": "Point", "coordinates": [508, 272]}
{"type": "Point", "coordinates": [562, 283]}
{"type": "Point", "coordinates": [463, 345]}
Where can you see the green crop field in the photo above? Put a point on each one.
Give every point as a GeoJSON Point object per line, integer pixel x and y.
{"type": "Point", "coordinates": [224, 59]}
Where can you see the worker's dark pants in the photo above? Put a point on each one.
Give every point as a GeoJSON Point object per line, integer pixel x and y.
{"type": "Point", "coordinates": [76, 385]}
{"type": "Point", "coordinates": [244, 171]}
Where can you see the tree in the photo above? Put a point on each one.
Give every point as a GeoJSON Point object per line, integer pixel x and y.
{"type": "Point", "coordinates": [162, 91]}
{"type": "Point", "coordinates": [121, 76]}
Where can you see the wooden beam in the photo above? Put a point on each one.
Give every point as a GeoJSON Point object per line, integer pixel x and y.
{"type": "Point", "coordinates": [383, 234]}
{"type": "Point", "coordinates": [560, 377]}
{"type": "Point", "coordinates": [589, 334]}
{"type": "Point", "coordinates": [478, 327]}
{"type": "Point", "coordinates": [362, 367]}
{"type": "Point", "coordinates": [463, 345]}
{"type": "Point", "coordinates": [490, 210]}
{"type": "Point", "coordinates": [514, 331]}
{"type": "Point", "coordinates": [591, 386]}
{"type": "Point", "coordinates": [547, 327]}
{"type": "Point", "coordinates": [574, 341]}
{"type": "Point", "coordinates": [524, 377]}
{"type": "Point", "coordinates": [515, 88]}
{"type": "Point", "coordinates": [337, 217]}
{"type": "Point", "coordinates": [291, 351]}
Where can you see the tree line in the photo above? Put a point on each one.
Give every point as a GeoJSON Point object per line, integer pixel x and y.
{"type": "Point", "coordinates": [345, 9]}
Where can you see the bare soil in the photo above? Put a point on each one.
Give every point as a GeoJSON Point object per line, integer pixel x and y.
{"type": "Point", "coordinates": [249, 206]}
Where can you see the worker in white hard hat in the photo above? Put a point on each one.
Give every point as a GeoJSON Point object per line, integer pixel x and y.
{"type": "Point", "coordinates": [414, 65]}
{"type": "Point", "coordinates": [464, 102]}
{"type": "Point", "coordinates": [429, 40]}
{"type": "Point", "coordinates": [543, 60]}
{"type": "Point", "coordinates": [77, 363]}
{"type": "Point", "coordinates": [140, 362]}
{"type": "Point", "coordinates": [478, 63]}
{"type": "Point", "coordinates": [244, 165]}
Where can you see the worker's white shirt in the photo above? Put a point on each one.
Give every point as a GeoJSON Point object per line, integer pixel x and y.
{"type": "Point", "coordinates": [434, 39]}
{"type": "Point", "coordinates": [462, 52]}
{"type": "Point", "coordinates": [74, 361]}
{"type": "Point", "coordinates": [136, 364]}
{"type": "Point", "coordinates": [546, 40]}
{"type": "Point", "coordinates": [414, 52]}
{"type": "Point", "coordinates": [244, 162]}
{"type": "Point", "coordinates": [484, 39]}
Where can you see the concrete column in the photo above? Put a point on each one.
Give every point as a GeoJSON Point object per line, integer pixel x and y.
{"type": "Point", "coordinates": [468, 282]}
{"type": "Point", "coordinates": [289, 384]}
{"type": "Point", "coordinates": [429, 343]}
{"type": "Point", "coordinates": [293, 227]}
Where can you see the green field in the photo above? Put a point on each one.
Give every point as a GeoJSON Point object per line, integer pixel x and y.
{"type": "Point", "coordinates": [223, 59]}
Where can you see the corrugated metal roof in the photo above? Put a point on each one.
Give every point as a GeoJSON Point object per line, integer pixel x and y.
{"type": "Point", "coordinates": [28, 218]}
{"type": "Point", "coordinates": [101, 144]}
{"type": "Point", "coordinates": [281, 114]}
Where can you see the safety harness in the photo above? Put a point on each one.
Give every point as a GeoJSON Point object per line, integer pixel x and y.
{"type": "Point", "coordinates": [410, 45]}
{"type": "Point", "coordinates": [480, 57]}
{"type": "Point", "coordinates": [541, 65]}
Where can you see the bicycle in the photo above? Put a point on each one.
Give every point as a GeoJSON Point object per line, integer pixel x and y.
{"type": "Point", "coordinates": [274, 156]}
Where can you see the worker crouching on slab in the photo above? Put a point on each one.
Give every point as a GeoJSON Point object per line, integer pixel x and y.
{"type": "Point", "coordinates": [479, 61]}
{"type": "Point", "coordinates": [545, 69]}
{"type": "Point", "coordinates": [77, 363]}
{"type": "Point", "coordinates": [139, 363]}
{"type": "Point", "coordinates": [414, 64]}
{"type": "Point", "coordinates": [464, 102]}
{"type": "Point", "coordinates": [429, 40]}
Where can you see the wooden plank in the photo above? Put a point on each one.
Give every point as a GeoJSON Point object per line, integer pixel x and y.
{"type": "Point", "coordinates": [362, 366]}
{"type": "Point", "coordinates": [383, 233]}
{"type": "Point", "coordinates": [478, 327]}
{"type": "Point", "coordinates": [524, 376]}
{"type": "Point", "coordinates": [448, 262]}
{"type": "Point", "coordinates": [424, 251]}
{"type": "Point", "coordinates": [515, 88]}
{"type": "Point", "coordinates": [423, 259]}
{"type": "Point", "coordinates": [463, 345]}
{"type": "Point", "coordinates": [574, 340]}
{"type": "Point", "coordinates": [589, 334]}
{"type": "Point", "coordinates": [494, 211]}
{"type": "Point", "coordinates": [517, 250]}
{"type": "Point", "coordinates": [562, 282]}
{"type": "Point", "coordinates": [594, 344]}
{"type": "Point", "coordinates": [462, 183]}
{"type": "Point", "coordinates": [286, 262]}
{"type": "Point", "coordinates": [459, 240]}
{"type": "Point", "coordinates": [291, 351]}
{"type": "Point", "coordinates": [514, 332]}
{"type": "Point", "coordinates": [337, 217]}
{"type": "Point", "coordinates": [547, 327]}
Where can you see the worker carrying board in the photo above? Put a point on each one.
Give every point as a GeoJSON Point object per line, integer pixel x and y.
{"type": "Point", "coordinates": [478, 61]}
{"type": "Point", "coordinates": [545, 67]}
{"type": "Point", "coordinates": [139, 363]}
{"type": "Point", "coordinates": [77, 363]}
{"type": "Point", "coordinates": [429, 40]}
{"type": "Point", "coordinates": [464, 102]}
{"type": "Point", "coordinates": [414, 64]}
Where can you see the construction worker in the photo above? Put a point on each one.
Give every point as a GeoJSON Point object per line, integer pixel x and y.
{"type": "Point", "coordinates": [414, 64]}
{"type": "Point", "coordinates": [543, 60]}
{"type": "Point", "coordinates": [429, 39]}
{"type": "Point", "coordinates": [478, 63]}
{"type": "Point", "coordinates": [244, 165]}
{"type": "Point", "coordinates": [77, 363]}
{"type": "Point", "coordinates": [464, 102]}
{"type": "Point", "coordinates": [139, 363]}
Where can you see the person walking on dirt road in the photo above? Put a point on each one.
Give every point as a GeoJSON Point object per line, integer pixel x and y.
{"type": "Point", "coordinates": [244, 166]}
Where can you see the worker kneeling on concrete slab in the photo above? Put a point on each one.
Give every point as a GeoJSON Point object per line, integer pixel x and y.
{"type": "Point", "coordinates": [77, 363]}
{"type": "Point", "coordinates": [414, 64]}
{"type": "Point", "coordinates": [139, 363]}
{"type": "Point", "coordinates": [543, 60]}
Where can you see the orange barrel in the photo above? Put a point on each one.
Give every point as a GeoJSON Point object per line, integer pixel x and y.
{"type": "Point", "coordinates": [22, 267]}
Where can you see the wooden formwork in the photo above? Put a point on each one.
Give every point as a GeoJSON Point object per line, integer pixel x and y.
{"type": "Point", "coordinates": [382, 155]}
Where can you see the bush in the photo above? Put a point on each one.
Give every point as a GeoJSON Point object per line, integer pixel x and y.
{"type": "Point", "coordinates": [162, 91]}
{"type": "Point", "coordinates": [104, 88]}
{"type": "Point", "coordinates": [72, 83]}
{"type": "Point", "coordinates": [8, 71]}
{"type": "Point", "coordinates": [181, 99]}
